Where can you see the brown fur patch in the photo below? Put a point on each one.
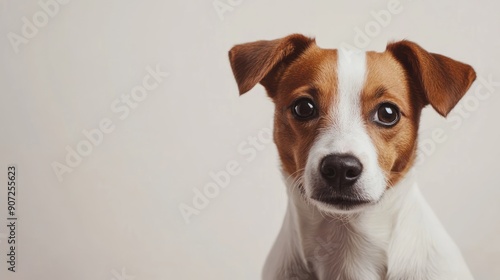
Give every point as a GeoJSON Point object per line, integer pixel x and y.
{"type": "Point", "coordinates": [396, 146]}
{"type": "Point", "coordinates": [312, 75]}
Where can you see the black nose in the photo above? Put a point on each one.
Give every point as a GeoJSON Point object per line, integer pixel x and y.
{"type": "Point", "coordinates": [340, 171]}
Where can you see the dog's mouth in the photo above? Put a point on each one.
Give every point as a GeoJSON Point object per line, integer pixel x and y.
{"type": "Point", "coordinates": [343, 203]}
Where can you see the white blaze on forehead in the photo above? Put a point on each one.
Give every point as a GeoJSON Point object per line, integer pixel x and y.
{"type": "Point", "coordinates": [351, 73]}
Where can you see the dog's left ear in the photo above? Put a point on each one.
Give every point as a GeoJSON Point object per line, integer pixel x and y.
{"type": "Point", "coordinates": [441, 80]}
{"type": "Point", "coordinates": [264, 61]}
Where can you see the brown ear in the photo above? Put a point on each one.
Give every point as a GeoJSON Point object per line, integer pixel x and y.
{"type": "Point", "coordinates": [441, 80]}
{"type": "Point", "coordinates": [264, 61]}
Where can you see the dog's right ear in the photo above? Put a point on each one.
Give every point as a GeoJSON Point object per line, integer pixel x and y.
{"type": "Point", "coordinates": [440, 80]}
{"type": "Point", "coordinates": [264, 61]}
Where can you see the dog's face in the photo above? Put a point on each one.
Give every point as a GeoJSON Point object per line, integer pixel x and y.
{"type": "Point", "coordinates": [346, 122]}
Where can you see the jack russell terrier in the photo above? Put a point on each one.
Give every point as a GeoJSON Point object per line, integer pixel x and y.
{"type": "Point", "coordinates": [345, 127]}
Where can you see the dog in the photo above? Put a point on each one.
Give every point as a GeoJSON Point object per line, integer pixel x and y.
{"type": "Point", "coordinates": [345, 127]}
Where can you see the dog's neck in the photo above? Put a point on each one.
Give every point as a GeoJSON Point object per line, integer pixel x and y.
{"type": "Point", "coordinates": [352, 246]}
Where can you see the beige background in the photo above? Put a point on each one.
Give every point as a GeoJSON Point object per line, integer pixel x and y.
{"type": "Point", "coordinates": [116, 215]}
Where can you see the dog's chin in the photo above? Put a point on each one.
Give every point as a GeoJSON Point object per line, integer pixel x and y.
{"type": "Point", "coordinates": [355, 199]}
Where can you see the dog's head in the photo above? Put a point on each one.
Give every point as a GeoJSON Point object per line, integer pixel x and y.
{"type": "Point", "coordinates": [346, 122]}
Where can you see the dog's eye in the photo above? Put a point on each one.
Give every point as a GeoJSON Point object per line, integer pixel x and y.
{"type": "Point", "coordinates": [387, 114]}
{"type": "Point", "coordinates": [304, 109]}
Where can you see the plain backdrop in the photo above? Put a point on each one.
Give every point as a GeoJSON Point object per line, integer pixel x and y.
{"type": "Point", "coordinates": [116, 214]}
